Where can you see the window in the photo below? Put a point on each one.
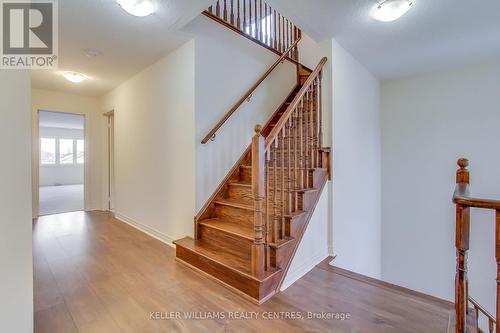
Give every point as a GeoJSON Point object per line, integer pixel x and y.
{"type": "Point", "coordinates": [48, 151]}
{"type": "Point", "coordinates": [66, 151]}
{"type": "Point", "coordinates": [80, 151]}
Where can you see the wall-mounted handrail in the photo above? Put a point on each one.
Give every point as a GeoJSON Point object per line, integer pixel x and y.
{"type": "Point", "coordinates": [247, 94]}
{"type": "Point", "coordinates": [464, 202]}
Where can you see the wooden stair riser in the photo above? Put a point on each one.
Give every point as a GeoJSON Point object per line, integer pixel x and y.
{"type": "Point", "coordinates": [237, 245]}
{"type": "Point", "coordinates": [244, 194]}
{"type": "Point", "coordinates": [278, 254]}
{"type": "Point", "coordinates": [235, 215]}
{"type": "Point", "coordinates": [251, 287]}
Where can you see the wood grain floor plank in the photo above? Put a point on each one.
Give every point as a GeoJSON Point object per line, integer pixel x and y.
{"type": "Point", "coordinates": [111, 278]}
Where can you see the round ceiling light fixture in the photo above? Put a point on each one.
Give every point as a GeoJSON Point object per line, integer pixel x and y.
{"type": "Point", "coordinates": [139, 8]}
{"type": "Point", "coordinates": [391, 10]}
{"type": "Point", "coordinates": [74, 77]}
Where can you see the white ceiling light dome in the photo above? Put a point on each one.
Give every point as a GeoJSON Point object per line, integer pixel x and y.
{"type": "Point", "coordinates": [74, 77]}
{"type": "Point", "coordinates": [139, 8]}
{"type": "Point", "coordinates": [391, 10]}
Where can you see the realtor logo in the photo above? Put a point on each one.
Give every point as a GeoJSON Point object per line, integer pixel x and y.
{"type": "Point", "coordinates": [29, 34]}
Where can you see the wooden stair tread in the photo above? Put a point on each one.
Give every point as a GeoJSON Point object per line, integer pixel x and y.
{"type": "Point", "coordinates": [229, 227]}
{"type": "Point", "coordinates": [222, 257]}
{"type": "Point", "coordinates": [238, 204]}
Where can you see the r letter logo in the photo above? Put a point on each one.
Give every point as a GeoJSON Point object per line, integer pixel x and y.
{"type": "Point", "coordinates": [29, 34]}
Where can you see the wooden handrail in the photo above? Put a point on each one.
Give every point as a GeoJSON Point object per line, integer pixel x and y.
{"type": "Point", "coordinates": [279, 126]}
{"type": "Point", "coordinates": [462, 197]}
{"type": "Point", "coordinates": [482, 309]}
{"type": "Point", "coordinates": [248, 94]}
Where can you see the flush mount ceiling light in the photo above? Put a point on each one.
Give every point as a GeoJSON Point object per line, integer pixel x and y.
{"type": "Point", "coordinates": [391, 10]}
{"type": "Point", "coordinates": [138, 7]}
{"type": "Point", "coordinates": [74, 77]}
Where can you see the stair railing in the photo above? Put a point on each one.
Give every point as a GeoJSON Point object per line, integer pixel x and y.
{"type": "Point", "coordinates": [275, 33]}
{"type": "Point", "coordinates": [281, 165]}
{"type": "Point", "coordinates": [258, 21]}
{"type": "Point", "coordinates": [464, 202]}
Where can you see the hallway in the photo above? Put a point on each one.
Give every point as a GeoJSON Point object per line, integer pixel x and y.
{"type": "Point", "coordinates": [93, 273]}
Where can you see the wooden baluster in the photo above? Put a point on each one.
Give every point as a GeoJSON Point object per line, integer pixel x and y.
{"type": "Point", "coordinates": [301, 144]}
{"type": "Point", "coordinates": [232, 12]}
{"type": "Point", "coordinates": [282, 185]}
{"type": "Point", "coordinates": [311, 126]}
{"type": "Point", "coordinates": [320, 114]}
{"type": "Point", "coordinates": [275, 191]}
{"type": "Point", "coordinates": [306, 139]}
{"type": "Point", "coordinates": [268, 220]}
{"type": "Point", "coordinates": [497, 256]}
{"type": "Point", "coordinates": [261, 37]}
{"type": "Point", "coordinates": [217, 9]}
{"type": "Point", "coordinates": [250, 19]}
{"type": "Point", "coordinates": [225, 10]}
{"type": "Point", "coordinates": [279, 32]}
{"type": "Point", "coordinates": [244, 15]}
{"type": "Point", "coordinates": [238, 20]}
{"type": "Point", "coordinates": [295, 159]}
{"type": "Point", "coordinates": [258, 147]}
{"type": "Point", "coordinates": [491, 325]}
{"type": "Point", "coordinates": [211, 9]}
{"type": "Point", "coordinates": [275, 40]}
{"type": "Point", "coordinates": [287, 27]}
{"type": "Point", "coordinates": [268, 26]}
{"type": "Point", "coordinates": [296, 52]}
{"type": "Point", "coordinates": [289, 167]}
{"type": "Point", "coordinates": [462, 246]}
{"type": "Point", "coordinates": [257, 21]}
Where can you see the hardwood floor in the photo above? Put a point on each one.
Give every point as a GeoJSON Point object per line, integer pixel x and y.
{"type": "Point", "coordinates": [93, 273]}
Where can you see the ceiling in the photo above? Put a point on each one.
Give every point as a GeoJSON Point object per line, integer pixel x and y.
{"type": "Point", "coordinates": [128, 44]}
{"type": "Point", "coordinates": [434, 34]}
{"type": "Point", "coordinates": [61, 120]}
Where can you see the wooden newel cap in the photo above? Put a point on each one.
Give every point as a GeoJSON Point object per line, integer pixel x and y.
{"type": "Point", "coordinates": [258, 129]}
{"type": "Point", "coordinates": [463, 163]}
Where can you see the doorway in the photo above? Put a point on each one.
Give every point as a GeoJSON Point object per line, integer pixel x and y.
{"type": "Point", "coordinates": [61, 165]}
{"type": "Point", "coordinates": [111, 160]}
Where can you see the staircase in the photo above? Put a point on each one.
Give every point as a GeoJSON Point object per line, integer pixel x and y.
{"type": "Point", "coordinates": [247, 233]}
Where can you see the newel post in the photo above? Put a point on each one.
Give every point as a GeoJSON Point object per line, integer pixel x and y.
{"type": "Point", "coordinates": [258, 147]}
{"type": "Point", "coordinates": [462, 246]}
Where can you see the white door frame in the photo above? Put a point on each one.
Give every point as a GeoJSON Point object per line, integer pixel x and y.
{"type": "Point", "coordinates": [35, 161]}
{"type": "Point", "coordinates": [110, 167]}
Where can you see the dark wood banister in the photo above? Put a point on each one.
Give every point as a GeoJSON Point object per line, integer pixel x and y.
{"type": "Point", "coordinates": [464, 202]}
{"type": "Point", "coordinates": [248, 94]}
{"type": "Point", "coordinates": [279, 126]}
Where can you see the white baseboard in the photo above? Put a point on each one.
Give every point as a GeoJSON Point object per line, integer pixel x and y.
{"type": "Point", "coordinates": [293, 275]}
{"type": "Point", "coordinates": [146, 229]}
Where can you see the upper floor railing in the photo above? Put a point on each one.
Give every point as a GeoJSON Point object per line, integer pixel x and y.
{"type": "Point", "coordinates": [257, 20]}
{"type": "Point", "coordinates": [464, 202]}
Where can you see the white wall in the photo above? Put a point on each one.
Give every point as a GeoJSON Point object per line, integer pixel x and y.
{"type": "Point", "coordinates": [154, 146]}
{"type": "Point", "coordinates": [61, 174]}
{"type": "Point", "coordinates": [16, 279]}
{"type": "Point", "coordinates": [95, 129]}
{"type": "Point", "coordinates": [313, 247]}
{"type": "Point", "coordinates": [227, 65]}
{"type": "Point", "coordinates": [428, 122]}
{"type": "Point", "coordinates": [356, 157]}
